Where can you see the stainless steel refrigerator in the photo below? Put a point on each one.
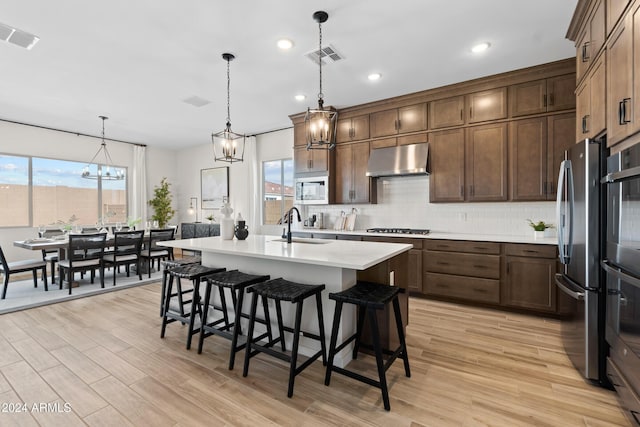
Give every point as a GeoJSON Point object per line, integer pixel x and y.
{"type": "Point", "coordinates": [578, 212]}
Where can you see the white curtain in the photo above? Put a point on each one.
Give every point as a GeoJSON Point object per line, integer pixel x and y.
{"type": "Point", "coordinates": [253, 218]}
{"type": "Point", "coordinates": [138, 208]}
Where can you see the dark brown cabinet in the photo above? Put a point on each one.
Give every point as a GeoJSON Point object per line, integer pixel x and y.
{"type": "Point", "coordinates": [446, 182]}
{"type": "Point", "coordinates": [352, 183]}
{"type": "Point", "coordinates": [529, 277]}
{"type": "Point", "coordinates": [541, 96]}
{"type": "Point", "coordinates": [414, 260]}
{"type": "Point", "coordinates": [536, 148]}
{"type": "Point", "coordinates": [590, 102]}
{"type": "Point", "coordinates": [446, 112]}
{"type": "Point", "coordinates": [353, 129]}
{"type": "Point", "coordinates": [310, 160]}
{"type": "Point", "coordinates": [486, 163]}
{"type": "Point", "coordinates": [591, 38]}
{"type": "Point", "coordinates": [412, 118]}
{"type": "Point", "coordinates": [619, 82]}
{"type": "Point", "coordinates": [299, 137]}
{"type": "Point", "coordinates": [487, 105]}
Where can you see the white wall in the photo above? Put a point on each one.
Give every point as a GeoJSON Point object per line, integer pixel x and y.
{"type": "Point", "coordinates": [32, 141]}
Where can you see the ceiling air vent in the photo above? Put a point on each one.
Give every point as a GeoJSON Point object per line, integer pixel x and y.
{"type": "Point", "coordinates": [17, 37]}
{"type": "Point", "coordinates": [328, 54]}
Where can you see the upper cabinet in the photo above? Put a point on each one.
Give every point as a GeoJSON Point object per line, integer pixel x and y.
{"type": "Point", "coordinates": [299, 137]}
{"type": "Point", "coordinates": [446, 112]}
{"type": "Point", "coordinates": [620, 81]}
{"type": "Point", "coordinates": [486, 163]}
{"type": "Point", "coordinates": [591, 38]}
{"type": "Point", "coordinates": [412, 118]}
{"type": "Point", "coordinates": [591, 109]}
{"type": "Point", "coordinates": [615, 8]}
{"type": "Point", "coordinates": [305, 161]}
{"type": "Point", "coordinates": [487, 105]}
{"type": "Point", "coordinates": [446, 151]}
{"type": "Point", "coordinates": [541, 96]}
{"type": "Point", "coordinates": [352, 183]}
{"type": "Point", "coordinates": [353, 129]}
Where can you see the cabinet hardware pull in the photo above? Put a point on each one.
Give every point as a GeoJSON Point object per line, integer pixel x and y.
{"type": "Point", "coordinates": [585, 56]}
{"type": "Point", "coordinates": [529, 251]}
{"type": "Point", "coordinates": [551, 99]}
{"type": "Point", "coordinates": [482, 291]}
{"type": "Point", "coordinates": [480, 248]}
{"type": "Point", "coordinates": [442, 263]}
{"type": "Point", "coordinates": [395, 124]}
{"type": "Point", "coordinates": [585, 128]}
{"type": "Point", "coordinates": [481, 267]}
{"type": "Point", "coordinates": [544, 100]}
{"type": "Point", "coordinates": [471, 112]}
{"type": "Point", "coordinates": [461, 113]}
{"type": "Point", "coordinates": [462, 191]}
{"type": "Point", "coordinates": [399, 124]}
{"type": "Point", "coordinates": [471, 190]}
{"type": "Point", "coordinates": [624, 119]}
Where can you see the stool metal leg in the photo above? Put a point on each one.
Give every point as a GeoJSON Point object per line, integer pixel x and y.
{"type": "Point", "coordinates": [373, 319]}
{"type": "Point", "coordinates": [252, 320]}
{"type": "Point", "coordinates": [205, 312]}
{"type": "Point", "coordinates": [334, 338]}
{"type": "Point", "coordinates": [294, 350]}
{"type": "Point", "coordinates": [361, 314]}
{"type": "Point", "coordinates": [403, 344]}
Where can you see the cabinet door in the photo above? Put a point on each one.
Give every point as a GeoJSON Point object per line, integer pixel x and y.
{"type": "Point", "coordinates": [561, 135]}
{"type": "Point", "coordinates": [598, 28]}
{"type": "Point", "coordinates": [360, 181]}
{"type": "Point", "coordinates": [412, 118]}
{"type": "Point", "coordinates": [528, 98]}
{"type": "Point", "coordinates": [446, 112]}
{"type": "Point", "coordinates": [486, 163]}
{"type": "Point", "coordinates": [528, 158]}
{"type": "Point", "coordinates": [635, 18]}
{"type": "Point", "coordinates": [582, 52]}
{"type": "Point", "coordinates": [561, 93]}
{"type": "Point", "coordinates": [417, 138]}
{"type": "Point", "coordinates": [343, 130]}
{"type": "Point", "coordinates": [301, 160]}
{"type": "Point", "coordinates": [614, 12]}
{"type": "Point", "coordinates": [415, 271]}
{"type": "Point", "coordinates": [487, 105]}
{"type": "Point", "coordinates": [619, 82]}
{"type": "Point", "coordinates": [583, 110]}
{"type": "Point", "coordinates": [446, 182]}
{"type": "Point", "coordinates": [529, 283]}
{"type": "Point", "coordinates": [597, 121]}
{"type": "Point", "coordinates": [382, 143]}
{"type": "Point", "coordinates": [384, 123]}
{"type": "Point", "coordinates": [299, 137]}
{"type": "Point", "coordinates": [360, 128]}
{"type": "Point", "coordinates": [344, 174]}
{"type": "Point", "coordinates": [319, 160]}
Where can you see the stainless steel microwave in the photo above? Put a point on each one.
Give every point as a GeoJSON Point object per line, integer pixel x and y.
{"type": "Point", "coordinates": [312, 190]}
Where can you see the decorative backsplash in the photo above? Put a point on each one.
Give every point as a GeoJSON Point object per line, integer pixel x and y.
{"type": "Point", "coordinates": [404, 202]}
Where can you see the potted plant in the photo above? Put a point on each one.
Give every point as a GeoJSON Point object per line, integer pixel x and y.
{"type": "Point", "coordinates": [211, 218]}
{"type": "Point", "coordinates": [539, 228]}
{"type": "Point", "coordinates": [161, 204]}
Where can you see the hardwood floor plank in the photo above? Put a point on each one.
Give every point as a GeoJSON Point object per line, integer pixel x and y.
{"type": "Point", "coordinates": [56, 415]}
{"type": "Point", "coordinates": [28, 384]}
{"type": "Point", "coordinates": [15, 415]}
{"type": "Point", "coordinates": [107, 417]}
{"type": "Point", "coordinates": [73, 390]}
{"type": "Point", "coordinates": [8, 354]}
{"type": "Point", "coordinates": [36, 355]}
{"type": "Point", "coordinates": [115, 365]}
{"type": "Point", "coordinates": [80, 364]}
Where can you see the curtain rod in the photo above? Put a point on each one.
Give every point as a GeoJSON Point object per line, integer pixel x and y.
{"type": "Point", "coordinates": [73, 133]}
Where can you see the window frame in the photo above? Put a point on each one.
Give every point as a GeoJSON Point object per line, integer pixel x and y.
{"type": "Point", "coordinates": [282, 188]}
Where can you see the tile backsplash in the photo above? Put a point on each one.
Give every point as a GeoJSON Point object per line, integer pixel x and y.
{"type": "Point", "coordinates": [404, 202]}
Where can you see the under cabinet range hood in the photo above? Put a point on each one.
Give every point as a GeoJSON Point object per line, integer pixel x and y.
{"type": "Point", "coordinates": [401, 160]}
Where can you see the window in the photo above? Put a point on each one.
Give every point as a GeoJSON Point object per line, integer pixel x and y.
{"type": "Point", "coordinates": [277, 185]}
{"type": "Point", "coordinates": [55, 191]}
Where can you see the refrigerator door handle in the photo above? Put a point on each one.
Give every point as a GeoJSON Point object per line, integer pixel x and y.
{"type": "Point", "coordinates": [564, 211]}
{"type": "Point", "coordinates": [618, 273]}
{"type": "Point", "coordinates": [563, 285]}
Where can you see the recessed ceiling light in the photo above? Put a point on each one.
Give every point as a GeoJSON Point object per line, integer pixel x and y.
{"type": "Point", "coordinates": [481, 47]}
{"type": "Point", "coordinates": [300, 97]}
{"type": "Point", "coordinates": [285, 44]}
{"type": "Point", "coordinates": [374, 76]}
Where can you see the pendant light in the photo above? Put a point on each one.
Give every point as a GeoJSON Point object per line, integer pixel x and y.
{"type": "Point", "coordinates": [228, 146]}
{"type": "Point", "coordinates": [105, 171]}
{"type": "Point", "coordinates": [320, 124]}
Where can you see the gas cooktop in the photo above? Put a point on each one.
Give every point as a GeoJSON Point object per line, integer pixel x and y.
{"type": "Point", "coordinates": [398, 230]}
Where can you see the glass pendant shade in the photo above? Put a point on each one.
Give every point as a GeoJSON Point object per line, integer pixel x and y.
{"type": "Point", "coordinates": [228, 146]}
{"type": "Point", "coordinates": [105, 170]}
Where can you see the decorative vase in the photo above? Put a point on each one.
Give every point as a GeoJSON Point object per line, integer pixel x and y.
{"type": "Point", "coordinates": [538, 234]}
{"type": "Point", "coordinates": [226, 223]}
{"type": "Point", "coordinates": [241, 230]}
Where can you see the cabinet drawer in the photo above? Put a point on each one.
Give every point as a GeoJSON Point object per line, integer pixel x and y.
{"type": "Point", "coordinates": [536, 251]}
{"type": "Point", "coordinates": [471, 288]}
{"type": "Point", "coordinates": [475, 265]}
{"type": "Point", "coordinates": [417, 243]}
{"type": "Point", "coordinates": [463, 246]}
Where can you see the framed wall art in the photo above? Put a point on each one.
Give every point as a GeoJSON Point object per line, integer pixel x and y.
{"type": "Point", "coordinates": [214, 184]}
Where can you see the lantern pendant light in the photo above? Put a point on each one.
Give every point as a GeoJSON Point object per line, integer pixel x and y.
{"type": "Point", "coordinates": [104, 171]}
{"type": "Point", "coordinates": [320, 124]}
{"type": "Point", "coordinates": [228, 146]}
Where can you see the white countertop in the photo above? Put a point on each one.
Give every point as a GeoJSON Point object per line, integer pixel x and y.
{"type": "Point", "coordinates": [349, 254]}
{"type": "Point", "coordinates": [443, 235]}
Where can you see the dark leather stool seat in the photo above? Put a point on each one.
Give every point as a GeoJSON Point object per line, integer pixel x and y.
{"type": "Point", "coordinates": [195, 273]}
{"type": "Point", "coordinates": [236, 281]}
{"type": "Point", "coordinates": [369, 297]}
{"type": "Point", "coordinates": [295, 293]}
{"type": "Point", "coordinates": [171, 263]}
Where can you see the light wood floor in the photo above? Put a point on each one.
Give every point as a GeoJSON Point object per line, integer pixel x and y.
{"type": "Point", "coordinates": [104, 357]}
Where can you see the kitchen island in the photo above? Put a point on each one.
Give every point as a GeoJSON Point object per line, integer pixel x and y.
{"type": "Point", "coordinates": [334, 263]}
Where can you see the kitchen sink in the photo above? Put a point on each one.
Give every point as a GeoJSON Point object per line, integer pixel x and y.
{"type": "Point", "coordinates": [306, 241]}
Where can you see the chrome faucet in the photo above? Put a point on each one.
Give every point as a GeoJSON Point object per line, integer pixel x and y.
{"type": "Point", "coordinates": [288, 215]}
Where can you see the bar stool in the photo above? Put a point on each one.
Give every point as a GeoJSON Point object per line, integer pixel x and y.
{"type": "Point", "coordinates": [369, 297]}
{"type": "Point", "coordinates": [172, 263]}
{"type": "Point", "coordinates": [284, 290]}
{"type": "Point", "coordinates": [193, 272]}
{"type": "Point", "coordinates": [236, 281]}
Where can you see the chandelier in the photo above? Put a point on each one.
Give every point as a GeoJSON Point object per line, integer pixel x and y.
{"type": "Point", "coordinates": [228, 146]}
{"type": "Point", "coordinates": [320, 124]}
{"type": "Point", "coordinates": [106, 170]}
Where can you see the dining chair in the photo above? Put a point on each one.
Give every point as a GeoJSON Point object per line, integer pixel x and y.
{"type": "Point", "coordinates": [126, 251]}
{"type": "Point", "coordinates": [152, 251]}
{"type": "Point", "coordinates": [33, 265]}
{"type": "Point", "coordinates": [84, 253]}
{"type": "Point", "coordinates": [51, 255]}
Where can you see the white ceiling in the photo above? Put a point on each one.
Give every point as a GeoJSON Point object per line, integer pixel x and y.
{"type": "Point", "coordinates": [136, 61]}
